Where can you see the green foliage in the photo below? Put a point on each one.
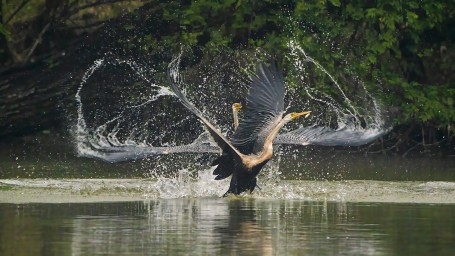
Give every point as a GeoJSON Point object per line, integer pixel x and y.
{"type": "Point", "coordinates": [228, 23]}
{"type": "Point", "coordinates": [407, 45]}
{"type": "Point", "coordinates": [426, 103]}
{"type": "Point", "coordinates": [3, 31]}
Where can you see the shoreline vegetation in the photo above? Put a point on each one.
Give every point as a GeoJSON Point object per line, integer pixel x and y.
{"type": "Point", "coordinates": [406, 48]}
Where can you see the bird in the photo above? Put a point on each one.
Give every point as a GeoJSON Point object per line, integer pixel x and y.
{"type": "Point", "coordinates": [251, 146]}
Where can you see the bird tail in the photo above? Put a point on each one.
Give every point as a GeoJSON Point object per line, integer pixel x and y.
{"type": "Point", "coordinates": [240, 182]}
{"type": "Point", "coordinates": [225, 166]}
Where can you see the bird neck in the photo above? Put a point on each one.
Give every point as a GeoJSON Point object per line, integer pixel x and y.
{"type": "Point", "coordinates": [236, 118]}
{"type": "Point", "coordinates": [267, 150]}
{"type": "Point", "coordinates": [269, 141]}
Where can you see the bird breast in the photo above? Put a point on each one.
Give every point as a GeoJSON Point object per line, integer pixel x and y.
{"type": "Point", "coordinates": [253, 160]}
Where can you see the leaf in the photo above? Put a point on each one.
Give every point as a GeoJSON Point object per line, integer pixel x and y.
{"type": "Point", "coordinates": [336, 3]}
{"type": "Point", "coordinates": [4, 31]}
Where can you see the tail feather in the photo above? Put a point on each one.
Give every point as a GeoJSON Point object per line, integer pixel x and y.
{"type": "Point", "coordinates": [238, 186]}
{"type": "Point", "coordinates": [243, 179]}
{"type": "Point", "coordinates": [225, 166]}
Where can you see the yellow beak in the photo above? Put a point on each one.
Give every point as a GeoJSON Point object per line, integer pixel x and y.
{"type": "Point", "coordinates": [305, 113]}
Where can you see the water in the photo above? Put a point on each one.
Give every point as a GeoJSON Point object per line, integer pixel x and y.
{"type": "Point", "coordinates": [137, 116]}
{"type": "Point", "coordinates": [93, 190]}
{"type": "Point", "coordinates": [322, 203]}
{"type": "Point", "coordinates": [311, 201]}
{"type": "Point", "coordinates": [314, 202]}
{"type": "Point", "coordinates": [227, 226]}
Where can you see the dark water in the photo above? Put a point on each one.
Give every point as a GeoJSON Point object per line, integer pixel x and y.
{"type": "Point", "coordinates": [312, 202]}
{"type": "Point", "coordinates": [53, 156]}
{"type": "Point", "coordinates": [227, 226]}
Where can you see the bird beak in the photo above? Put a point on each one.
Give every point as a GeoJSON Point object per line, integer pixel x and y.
{"type": "Point", "coordinates": [305, 113]}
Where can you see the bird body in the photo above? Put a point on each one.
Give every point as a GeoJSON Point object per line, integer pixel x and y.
{"type": "Point", "coordinates": [246, 167]}
{"type": "Point", "coordinates": [251, 145]}
{"type": "Point", "coordinates": [263, 150]}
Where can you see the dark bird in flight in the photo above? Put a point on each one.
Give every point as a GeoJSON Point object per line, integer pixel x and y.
{"type": "Point", "coordinates": [246, 152]}
{"type": "Point", "coordinates": [251, 146]}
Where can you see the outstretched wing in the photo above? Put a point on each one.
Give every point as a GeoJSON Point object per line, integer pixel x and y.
{"type": "Point", "coordinates": [174, 79]}
{"type": "Point", "coordinates": [112, 151]}
{"type": "Point", "coordinates": [325, 136]}
{"type": "Point", "coordinates": [264, 108]}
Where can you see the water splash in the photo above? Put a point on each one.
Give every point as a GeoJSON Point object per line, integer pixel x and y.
{"type": "Point", "coordinates": [372, 113]}
{"type": "Point", "coordinates": [358, 119]}
{"type": "Point", "coordinates": [156, 124]}
{"type": "Point", "coordinates": [92, 190]}
{"type": "Point", "coordinates": [120, 135]}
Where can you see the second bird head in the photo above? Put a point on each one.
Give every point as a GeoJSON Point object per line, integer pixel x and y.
{"type": "Point", "coordinates": [236, 106]}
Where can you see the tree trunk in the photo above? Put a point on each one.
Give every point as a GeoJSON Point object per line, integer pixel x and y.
{"type": "Point", "coordinates": [29, 102]}
{"type": "Point", "coordinates": [4, 51]}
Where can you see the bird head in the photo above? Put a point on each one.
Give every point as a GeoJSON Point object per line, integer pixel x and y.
{"type": "Point", "coordinates": [236, 106]}
{"type": "Point", "coordinates": [294, 115]}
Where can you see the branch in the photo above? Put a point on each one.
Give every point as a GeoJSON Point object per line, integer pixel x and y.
{"type": "Point", "coordinates": [410, 149]}
{"type": "Point", "coordinates": [37, 41]}
{"type": "Point", "coordinates": [94, 4]}
{"type": "Point", "coordinates": [383, 150]}
{"type": "Point", "coordinates": [94, 24]}
{"type": "Point", "coordinates": [24, 2]}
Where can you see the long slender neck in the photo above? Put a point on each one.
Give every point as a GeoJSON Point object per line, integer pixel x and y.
{"type": "Point", "coordinates": [267, 151]}
{"type": "Point", "coordinates": [236, 117]}
{"type": "Point", "coordinates": [269, 141]}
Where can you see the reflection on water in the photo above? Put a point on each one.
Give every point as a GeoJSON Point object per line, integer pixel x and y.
{"type": "Point", "coordinates": [227, 226]}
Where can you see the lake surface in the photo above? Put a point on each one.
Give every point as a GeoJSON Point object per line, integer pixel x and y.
{"type": "Point", "coordinates": [310, 203]}
{"type": "Point", "coordinates": [227, 226]}
{"type": "Point", "coordinates": [187, 217]}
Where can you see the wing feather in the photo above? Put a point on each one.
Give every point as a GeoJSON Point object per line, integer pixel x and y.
{"type": "Point", "coordinates": [325, 136]}
{"type": "Point", "coordinates": [219, 139]}
{"type": "Point", "coordinates": [114, 152]}
{"type": "Point", "coordinates": [264, 105]}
